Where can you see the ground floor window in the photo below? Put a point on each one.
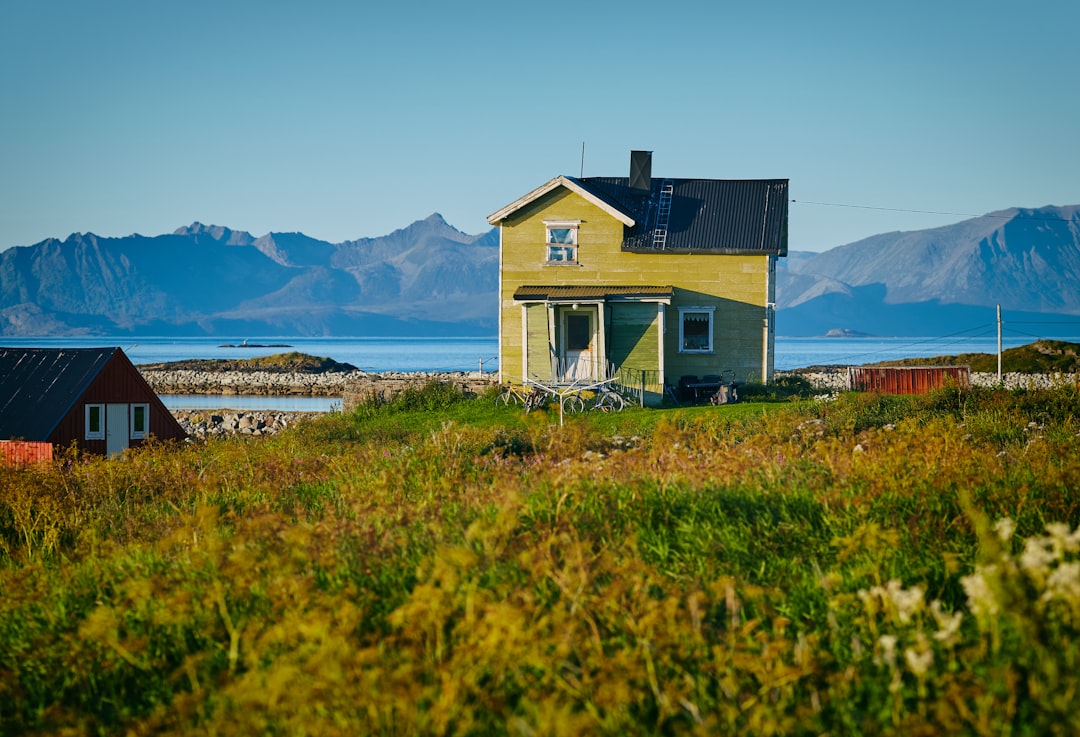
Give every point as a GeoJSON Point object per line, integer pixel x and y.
{"type": "Point", "coordinates": [95, 422]}
{"type": "Point", "coordinates": [696, 329]}
{"type": "Point", "coordinates": [140, 421]}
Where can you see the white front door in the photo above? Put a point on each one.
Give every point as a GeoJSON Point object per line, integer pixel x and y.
{"type": "Point", "coordinates": [579, 359]}
{"type": "Point", "coordinates": [116, 428]}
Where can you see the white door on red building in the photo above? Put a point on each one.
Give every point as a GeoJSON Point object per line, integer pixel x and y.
{"type": "Point", "coordinates": [116, 428]}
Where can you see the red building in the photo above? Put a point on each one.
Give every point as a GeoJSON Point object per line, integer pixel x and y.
{"type": "Point", "coordinates": [92, 397]}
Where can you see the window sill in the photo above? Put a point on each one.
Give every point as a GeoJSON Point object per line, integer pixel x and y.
{"type": "Point", "coordinates": [561, 263]}
{"type": "Point", "coordinates": [697, 352]}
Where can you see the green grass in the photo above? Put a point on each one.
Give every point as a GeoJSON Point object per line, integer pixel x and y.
{"type": "Point", "coordinates": [439, 565]}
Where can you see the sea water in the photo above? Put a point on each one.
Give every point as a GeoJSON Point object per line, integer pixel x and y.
{"type": "Point", "coordinates": [468, 354]}
{"type": "Point", "coordinates": [367, 354]}
{"type": "Point", "coordinates": [481, 354]}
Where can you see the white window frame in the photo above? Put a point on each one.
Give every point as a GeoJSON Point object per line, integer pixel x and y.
{"type": "Point", "coordinates": [710, 313]}
{"type": "Point", "coordinates": [135, 432]}
{"type": "Point", "coordinates": [550, 245]}
{"type": "Point", "coordinates": [89, 433]}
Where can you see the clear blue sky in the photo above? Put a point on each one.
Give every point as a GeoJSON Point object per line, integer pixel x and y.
{"type": "Point", "coordinates": [353, 119]}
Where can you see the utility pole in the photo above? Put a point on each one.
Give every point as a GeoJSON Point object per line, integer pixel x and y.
{"type": "Point", "coordinates": [999, 342]}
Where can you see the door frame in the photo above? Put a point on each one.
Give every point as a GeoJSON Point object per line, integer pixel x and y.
{"type": "Point", "coordinates": [594, 349]}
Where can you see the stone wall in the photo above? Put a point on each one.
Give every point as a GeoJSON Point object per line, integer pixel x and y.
{"type": "Point", "coordinates": [330, 384]}
{"type": "Point", "coordinates": [350, 385]}
{"type": "Point", "coordinates": [835, 379]}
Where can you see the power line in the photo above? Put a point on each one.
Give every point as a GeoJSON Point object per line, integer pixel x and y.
{"type": "Point", "coordinates": [940, 342]}
{"type": "Point", "coordinates": [951, 340]}
{"type": "Point", "coordinates": [1046, 322]}
{"type": "Point", "coordinates": [935, 212]}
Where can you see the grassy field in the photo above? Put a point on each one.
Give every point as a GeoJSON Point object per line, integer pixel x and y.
{"type": "Point", "coordinates": [437, 565]}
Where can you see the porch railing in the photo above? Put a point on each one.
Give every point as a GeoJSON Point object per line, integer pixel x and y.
{"type": "Point", "coordinates": [638, 383]}
{"type": "Point", "coordinates": [635, 384]}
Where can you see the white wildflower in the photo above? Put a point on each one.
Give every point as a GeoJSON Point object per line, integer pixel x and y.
{"type": "Point", "coordinates": [919, 658]}
{"type": "Point", "coordinates": [981, 598]}
{"type": "Point", "coordinates": [907, 602]}
{"type": "Point", "coordinates": [1004, 528]}
{"type": "Point", "coordinates": [870, 599]}
{"type": "Point", "coordinates": [1064, 584]}
{"type": "Point", "coordinates": [893, 597]}
{"type": "Point", "coordinates": [1064, 539]}
{"type": "Point", "coordinates": [887, 651]}
{"type": "Point", "coordinates": [948, 624]}
{"type": "Point", "coordinates": [1037, 557]}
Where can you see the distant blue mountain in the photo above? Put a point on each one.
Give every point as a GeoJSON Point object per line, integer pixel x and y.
{"type": "Point", "coordinates": [430, 279]}
{"type": "Point", "coordinates": [941, 280]}
{"type": "Point", "coordinates": [426, 279]}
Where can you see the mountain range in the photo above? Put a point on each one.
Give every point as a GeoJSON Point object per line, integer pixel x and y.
{"type": "Point", "coordinates": [426, 279]}
{"type": "Point", "coordinates": [941, 280]}
{"type": "Point", "coordinates": [430, 279]}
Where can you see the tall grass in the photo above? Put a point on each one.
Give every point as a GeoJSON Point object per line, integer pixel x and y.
{"type": "Point", "coordinates": [437, 565]}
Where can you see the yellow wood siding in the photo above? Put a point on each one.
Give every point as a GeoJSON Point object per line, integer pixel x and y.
{"type": "Point", "coordinates": [633, 337]}
{"type": "Point", "coordinates": [737, 286]}
{"type": "Point", "coordinates": [539, 343]}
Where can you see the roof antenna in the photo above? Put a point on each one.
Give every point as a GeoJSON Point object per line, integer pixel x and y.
{"type": "Point", "coordinates": [582, 174]}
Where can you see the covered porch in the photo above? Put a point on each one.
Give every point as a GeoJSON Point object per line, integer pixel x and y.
{"type": "Point", "coordinates": [574, 335]}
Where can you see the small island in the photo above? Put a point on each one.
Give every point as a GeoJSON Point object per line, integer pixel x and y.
{"type": "Point", "coordinates": [245, 344]}
{"type": "Point", "coordinates": [846, 333]}
{"type": "Point", "coordinates": [279, 363]}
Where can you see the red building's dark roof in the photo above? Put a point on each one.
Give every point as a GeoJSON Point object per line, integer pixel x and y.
{"type": "Point", "coordinates": [38, 386]}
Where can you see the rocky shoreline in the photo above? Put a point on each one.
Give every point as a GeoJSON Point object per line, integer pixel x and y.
{"type": "Point", "coordinates": [202, 424]}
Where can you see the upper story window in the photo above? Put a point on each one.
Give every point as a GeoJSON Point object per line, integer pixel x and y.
{"type": "Point", "coordinates": [696, 329]}
{"type": "Point", "coordinates": [562, 241]}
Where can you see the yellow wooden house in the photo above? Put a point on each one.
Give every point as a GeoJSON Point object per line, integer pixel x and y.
{"type": "Point", "coordinates": [646, 280]}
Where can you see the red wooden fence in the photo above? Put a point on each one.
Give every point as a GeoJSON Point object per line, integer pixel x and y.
{"type": "Point", "coordinates": [21, 452]}
{"type": "Point", "coordinates": [906, 379]}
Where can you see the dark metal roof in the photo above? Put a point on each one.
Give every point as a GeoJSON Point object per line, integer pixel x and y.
{"type": "Point", "coordinates": [590, 292]}
{"type": "Point", "coordinates": [733, 216]}
{"type": "Point", "coordinates": [39, 386]}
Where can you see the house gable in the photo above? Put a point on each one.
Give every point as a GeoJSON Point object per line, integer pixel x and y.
{"type": "Point", "coordinates": [119, 382]}
{"type": "Point", "coordinates": [569, 183]}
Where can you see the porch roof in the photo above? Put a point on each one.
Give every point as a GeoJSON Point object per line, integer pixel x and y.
{"type": "Point", "coordinates": [595, 293]}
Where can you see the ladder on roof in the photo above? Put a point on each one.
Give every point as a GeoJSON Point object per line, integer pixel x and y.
{"type": "Point", "coordinates": [663, 215]}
